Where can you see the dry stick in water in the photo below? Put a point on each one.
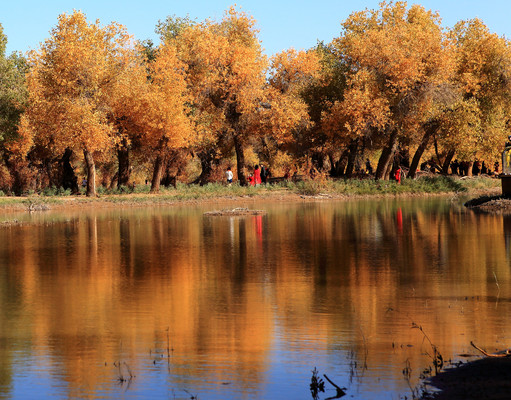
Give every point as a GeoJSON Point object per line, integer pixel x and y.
{"type": "Point", "coordinates": [121, 377]}
{"type": "Point", "coordinates": [496, 281]}
{"type": "Point", "coordinates": [340, 391]}
{"type": "Point", "coordinates": [498, 289]}
{"type": "Point", "coordinates": [506, 354]}
{"type": "Point", "coordinates": [129, 371]}
{"type": "Point", "coordinates": [168, 343]}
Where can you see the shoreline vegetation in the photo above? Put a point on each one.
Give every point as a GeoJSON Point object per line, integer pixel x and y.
{"type": "Point", "coordinates": [482, 186]}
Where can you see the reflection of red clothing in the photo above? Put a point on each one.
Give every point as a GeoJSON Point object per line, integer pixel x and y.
{"type": "Point", "coordinates": [257, 176]}
{"type": "Point", "coordinates": [259, 226]}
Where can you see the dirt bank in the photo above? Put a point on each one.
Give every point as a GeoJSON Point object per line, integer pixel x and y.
{"type": "Point", "coordinates": [491, 204]}
{"type": "Point", "coordinates": [484, 379]}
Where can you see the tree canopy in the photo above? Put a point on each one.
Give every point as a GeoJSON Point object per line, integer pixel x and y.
{"type": "Point", "coordinates": [394, 82]}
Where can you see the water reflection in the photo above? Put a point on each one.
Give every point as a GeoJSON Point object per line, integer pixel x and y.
{"type": "Point", "coordinates": [231, 307]}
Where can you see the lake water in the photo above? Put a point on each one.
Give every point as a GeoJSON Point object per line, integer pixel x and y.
{"type": "Point", "coordinates": [167, 303]}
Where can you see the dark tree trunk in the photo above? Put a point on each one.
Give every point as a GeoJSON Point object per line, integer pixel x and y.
{"type": "Point", "coordinates": [123, 157]}
{"type": "Point", "coordinates": [388, 170]}
{"type": "Point", "coordinates": [318, 161]}
{"type": "Point", "coordinates": [168, 178]}
{"type": "Point", "coordinates": [91, 173]}
{"type": "Point", "coordinates": [402, 158]}
{"type": "Point", "coordinates": [352, 157]}
{"type": "Point", "coordinates": [386, 156]}
{"type": "Point", "coordinates": [52, 179]}
{"type": "Point", "coordinates": [240, 160]}
{"type": "Point", "coordinates": [332, 164]}
{"type": "Point", "coordinates": [447, 161]}
{"type": "Point", "coordinates": [430, 130]}
{"type": "Point", "coordinates": [206, 161]}
{"type": "Point", "coordinates": [159, 163]}
{"type": "Point", "coordinates": [337, 168]}
{"type": "Point", "coordinates": [69, 178]}
{"type": "Point", "coordinates": [18, 186]}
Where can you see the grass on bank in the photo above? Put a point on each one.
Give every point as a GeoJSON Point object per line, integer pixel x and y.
{"type": "Point", "coordinates": [183, 192]}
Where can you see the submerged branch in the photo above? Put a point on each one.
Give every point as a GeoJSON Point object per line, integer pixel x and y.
{"type": "Point", "coordinates": [507, 353]}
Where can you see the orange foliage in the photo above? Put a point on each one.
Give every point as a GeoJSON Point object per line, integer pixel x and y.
{"type": "Point", "coordinates": [70, 83]}
{"type": "Point", "coordinates": [156, 107]}
{"type": "Point", "coordinates": [394, 55]}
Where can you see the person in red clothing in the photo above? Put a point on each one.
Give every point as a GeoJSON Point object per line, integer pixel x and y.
{"type": "Point", "coordinates": [251, 180]}
{"type": "Point", "coordinates": [398, 175]}
{"type": "Point", "coordinates": [257, 175]}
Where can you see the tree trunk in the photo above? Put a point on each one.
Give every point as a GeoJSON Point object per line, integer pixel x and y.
{"type": "Point", "coordinates": [69, 178]}
{"type": "Point", "coordinates": [470, 166]}
{"type": "Point", "coordinates": [430, 129]}
{"type": "Point", "coordinates": [91, 173]}
{"type": "Point", "coordinates": [168, 179]}
{"type": "Point", "coordinates": [318, 161]}
{"type": "Point", "coordinates": [240, 160]}
{"type": "Point", "coordinates": [388, 171]}
{"type": "Point", "coordinates": [332, 164]}
{"type": "Point", "coordinates": [206, 162]}
{"type": "Point", "coordinates": [157, 171]}
{"type": "Point", "coordinates": [123, 157]}
{"type": "Point", "coordinates": [337, 168]}
{"type": "Point", "coordinates": [418, 154]}
{"type": "Point", "coordinates": [352, 156]}
{"type": "Point", "coordinates": [447, 161]}
{"type": "Point", "coordinates": [17, 185]}
{"type": "Point", "coordinates": [386, 156]}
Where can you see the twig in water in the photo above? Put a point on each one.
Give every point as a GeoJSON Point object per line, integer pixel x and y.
{"type": "Point", "coordinates": [121, 376]}
{"type": "Point", "coordinates": [437, 359]}
{"type": "Point", "coordinates": [366, 351]}
{"type": "Point", "coordinates": [129, 370]}
{"type": "Point", "coordinates": [498, 289]}
{"type": "Point", "coordinates": [317, 385]}
{"type": "Point", "coordinates": [340, 391]}
{"type": "Point", "coordinates": [496, 281]}
{"type": "Point", "coordinates": [192, 397]}
{"type": "Point", "coordinates": [168, 342]}
{"type": "Point", "coordinates": [507, 353]}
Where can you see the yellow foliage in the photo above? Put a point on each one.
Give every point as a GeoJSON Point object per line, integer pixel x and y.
{"type": "Point", "coordinates": [71, 82]}
{"type": "Point", "coordinates": [394, 55]}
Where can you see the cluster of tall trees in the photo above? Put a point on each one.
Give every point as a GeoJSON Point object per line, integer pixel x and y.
{"type": "Point", "coordinates": [394, 84]}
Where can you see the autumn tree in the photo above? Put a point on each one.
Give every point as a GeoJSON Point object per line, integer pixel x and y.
{"type": "Point", "coordinates": [70, 84]}
{"type": "Point", "coordinates": [162, 109]}
{"type": "Point", "coordinates": [394, 55]}
{"type": "Point", "coordinates": [13, 97]}
{"type": "Point", "coordinates": [326, 88]}
{"type": "Point", "coordinates": [226, 76]}
{"type": "Point", "coordinates": [283, 121]}
{"type": "Point", "coordinates": [478, 123]}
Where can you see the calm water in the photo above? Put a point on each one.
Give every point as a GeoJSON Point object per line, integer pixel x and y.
{"type": "Point", "coordinates": [245, 308]}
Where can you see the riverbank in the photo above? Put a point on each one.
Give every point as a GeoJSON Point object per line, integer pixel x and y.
{"type": "Point", "coordinates": [496, 204]}
{"type": "Point", "coordinates": [286, 191]}
{"type": "Point", "coordinates": [484, 379]}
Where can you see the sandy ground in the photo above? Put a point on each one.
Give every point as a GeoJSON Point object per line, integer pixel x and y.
{"type": "Point", "coordinates": [41, 203]}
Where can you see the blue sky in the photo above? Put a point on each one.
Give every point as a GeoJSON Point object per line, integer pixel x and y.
{"type": "Point", "coordinates": [283, 24]}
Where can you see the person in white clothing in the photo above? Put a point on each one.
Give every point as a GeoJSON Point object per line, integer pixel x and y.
{"type": "Point", "coordinates": [229, 176]}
